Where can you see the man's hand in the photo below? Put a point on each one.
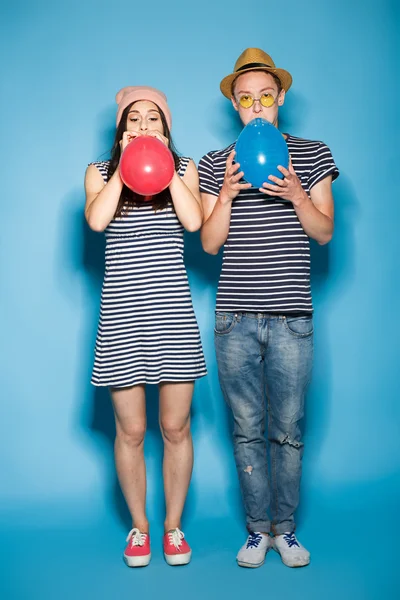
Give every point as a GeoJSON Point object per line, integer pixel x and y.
{"type": "Point", "coordinates": [288, 188]}
{"type": "Point", "coordinates": [231, 186]}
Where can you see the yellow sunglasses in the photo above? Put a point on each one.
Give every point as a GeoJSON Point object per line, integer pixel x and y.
{"type": "Point", "coordinates": [247, 101]}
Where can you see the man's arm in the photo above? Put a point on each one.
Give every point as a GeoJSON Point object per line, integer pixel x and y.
{"type": "Point", "coordinates": [217, 218]}
{"type": "Point", "coordinates": [316, 212]}
{"type": "Point", "coordinates": [217, 209]}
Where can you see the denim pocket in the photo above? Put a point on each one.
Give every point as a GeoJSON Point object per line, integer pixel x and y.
{"type": "Point", "coordinates": [299, 326]}
{"type": "Point", "coordinates": [224, 322]}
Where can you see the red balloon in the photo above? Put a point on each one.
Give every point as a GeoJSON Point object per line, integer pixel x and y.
{"type": "Point", "coordinates": [147, 166]}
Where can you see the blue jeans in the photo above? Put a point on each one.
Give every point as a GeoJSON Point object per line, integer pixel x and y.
{"type": "Point", "coordinates": [265, 357]}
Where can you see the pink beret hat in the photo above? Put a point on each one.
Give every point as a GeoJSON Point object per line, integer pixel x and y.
{"type": "Point", "coordinates": [133, 93]}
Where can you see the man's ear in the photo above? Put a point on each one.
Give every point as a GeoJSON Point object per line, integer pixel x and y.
{"type": "Point", "coordinates": [281, 98]}
{"type": "Point", "coordinates": [234, 104]}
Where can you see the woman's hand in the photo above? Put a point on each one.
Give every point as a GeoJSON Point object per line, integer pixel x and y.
{"type": "Point", "coordinates": [159, 136]}
{"type": "Point", "coordinates": [127, 137]}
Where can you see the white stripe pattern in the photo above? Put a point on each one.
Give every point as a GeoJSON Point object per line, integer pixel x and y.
{"type": "Point", "coordinates": [266, 260]}
{"type": "Point", "coordinates": [147, 331]}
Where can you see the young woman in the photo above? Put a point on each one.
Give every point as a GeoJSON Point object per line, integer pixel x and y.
{"type": "Point", "coordinates": [147, 331]}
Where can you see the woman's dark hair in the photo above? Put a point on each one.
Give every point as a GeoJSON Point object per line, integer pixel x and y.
{"type": "Point", "coordinates": [128, 198]}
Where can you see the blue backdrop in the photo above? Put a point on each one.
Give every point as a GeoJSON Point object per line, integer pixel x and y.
{"type": "Point", "coordinates": [62, 516]}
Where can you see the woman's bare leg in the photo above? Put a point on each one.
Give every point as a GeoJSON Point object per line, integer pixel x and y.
{"type": "Point", "coordinates": [130, 420]}
{"type": "Point", "coordinates": [175, 403]}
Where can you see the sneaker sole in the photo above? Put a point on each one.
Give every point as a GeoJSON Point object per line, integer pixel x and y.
{"type": "Point", "coordinates": [137, 561]}
{"type": "Point", "coordinates": [250, 565]}
{"type": "Point", "coordinates": [247, 565]}
{"type": "Point", "coordinates": [175, 560]}
{"type": "Point", "coordinates": [289, 565]}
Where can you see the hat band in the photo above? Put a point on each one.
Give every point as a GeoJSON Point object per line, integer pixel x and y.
{"type": "Point", "coordinates": [252, 65]}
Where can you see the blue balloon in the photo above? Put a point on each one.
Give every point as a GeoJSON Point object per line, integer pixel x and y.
{"type": "Point", "coordinates": [260, 148]}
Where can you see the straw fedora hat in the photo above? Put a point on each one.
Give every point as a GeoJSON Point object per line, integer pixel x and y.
{"type": "Point", "coordinates": [254, 59]}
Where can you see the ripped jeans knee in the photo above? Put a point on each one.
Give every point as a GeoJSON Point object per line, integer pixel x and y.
{"type": "Point", "coordinates": [285, 433]}
{"type": "Point", "coordinates": [287, 439]}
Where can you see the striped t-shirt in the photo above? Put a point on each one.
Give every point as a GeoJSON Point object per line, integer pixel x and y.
{"type": "Point", "coordinates": [266, 259]}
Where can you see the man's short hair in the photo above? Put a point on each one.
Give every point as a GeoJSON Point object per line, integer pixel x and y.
{"type": "Point", "coordinates": [274, 77]}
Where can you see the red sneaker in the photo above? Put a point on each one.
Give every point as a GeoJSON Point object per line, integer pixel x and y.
{"type": "Point", "coordinates": [137, 553]}
{"type": "Point", "coordinates": [176, 549]}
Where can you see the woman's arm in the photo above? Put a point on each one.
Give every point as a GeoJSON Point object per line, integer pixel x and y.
{"type": "Point", "coordinates": [186, 198]}
{"type": "Point", "coordinates": [102, 198]}
{"type": "Point", "coordinates": [185, 193]}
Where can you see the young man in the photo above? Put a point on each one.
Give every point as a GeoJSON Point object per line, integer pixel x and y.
{"type": "Point", "coordinates": [264, 328]}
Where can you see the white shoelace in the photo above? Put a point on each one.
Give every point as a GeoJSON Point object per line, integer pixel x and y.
{"type": "Point", "coordinates": [137, 537]}
{"type": "Point", "coordinates": [175, 537]}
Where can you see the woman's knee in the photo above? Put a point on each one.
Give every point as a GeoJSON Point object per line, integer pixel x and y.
{"type": "Point", "coordinates": [131, 435]}
{"type": "Point", "coordinates": [175, 432]}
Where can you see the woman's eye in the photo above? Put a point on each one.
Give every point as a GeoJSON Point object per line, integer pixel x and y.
{"type": "Point", "coordinates": [134, 119]}
{"type": "Point", "coordinates": [153, 118]}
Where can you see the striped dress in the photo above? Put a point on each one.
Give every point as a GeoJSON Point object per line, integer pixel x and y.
{"type": "Point", "coordinates": [147, 330]}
